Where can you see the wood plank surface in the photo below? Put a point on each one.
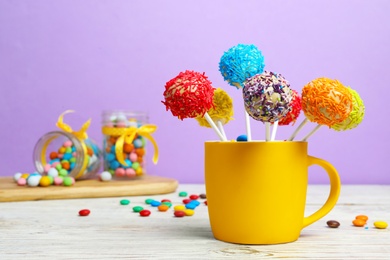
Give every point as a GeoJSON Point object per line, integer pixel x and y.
{"type": "Point", "coordinates": [52, 229]}
{"type": "Point", "coordinates": [145, 185]}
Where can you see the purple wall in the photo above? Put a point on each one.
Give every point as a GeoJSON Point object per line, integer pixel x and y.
{"type": "Point", "coordinates": [95, 55]}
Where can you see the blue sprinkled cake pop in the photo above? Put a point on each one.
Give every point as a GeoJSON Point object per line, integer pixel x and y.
{"type": "Point", "coordinates": [241, 62]}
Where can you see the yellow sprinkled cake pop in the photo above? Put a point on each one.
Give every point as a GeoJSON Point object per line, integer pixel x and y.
{"type": "Point", "coordinates": [221, 112]}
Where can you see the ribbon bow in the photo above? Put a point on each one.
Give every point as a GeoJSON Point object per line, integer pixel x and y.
{"type": "Point", "coordinates": [127, 135]}
{"type": "Point", "coordinates": [81, 134]}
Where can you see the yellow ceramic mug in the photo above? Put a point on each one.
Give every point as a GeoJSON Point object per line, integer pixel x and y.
{"type": "Point", "coordinates": [256, 191]}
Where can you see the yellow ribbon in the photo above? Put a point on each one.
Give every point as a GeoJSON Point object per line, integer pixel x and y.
{"type": "Point", "coordinates": [127, 135]}
{"type": "Point", "coordinates": [81, 134]}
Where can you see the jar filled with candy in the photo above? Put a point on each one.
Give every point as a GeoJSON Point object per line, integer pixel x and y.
{"type": "Point", "coordinates": [67, 153]}
{"type": "Point", "coordinates": [124, 143]}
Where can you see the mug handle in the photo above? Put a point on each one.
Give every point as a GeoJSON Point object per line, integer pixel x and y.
{"type": "Point", "coordinates": [333, 194]}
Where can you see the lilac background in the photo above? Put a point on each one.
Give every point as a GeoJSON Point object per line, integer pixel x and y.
{"type": "Point", "coordinates": [95, 55]}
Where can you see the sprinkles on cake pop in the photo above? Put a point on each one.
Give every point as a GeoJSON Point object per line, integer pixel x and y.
{"type": "Point", "coordinates": [188, 95]}
{"type": "Point", "coordinates": [241, 62]}
{"type": "Point", "coordinates": [267, 97]}
{"type": "Point", "coordinates": [326, 101]}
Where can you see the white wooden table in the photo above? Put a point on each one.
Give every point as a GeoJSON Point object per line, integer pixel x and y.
{"type": "Point", "coordinates": [52, 229]}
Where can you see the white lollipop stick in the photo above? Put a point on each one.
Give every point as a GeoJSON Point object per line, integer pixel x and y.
{"type": "Point", "coordinates": [214, 126]}
{"type": "Point", "coordinates": [248, 127]}
{"type": "Point", "coordinates": [311, 133]}
{"type": "Point", "coordinates": [274, 129]}
{"type": "Point", "coordinates": [267, 131]}
{"type": "Point", "coordinates": [221, 129]}
{"type": "Point", "coordinates": [304, 122]}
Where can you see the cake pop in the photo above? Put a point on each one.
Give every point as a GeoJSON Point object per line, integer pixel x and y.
{"type": "Point", "coordinates": [188, 95]}
{"type": "Point", "coordinates": [293, 114]}
{"type": "Point", "coordinates": [267, 97]}
{"type": "Point", "coordinates": [355, 117]}
{"type": "Point", "coordinates": [326, 101]}
{"type": "Point", "coordinates": [241, 62]}
{"type": "Point", "coordinates": [222, 110]}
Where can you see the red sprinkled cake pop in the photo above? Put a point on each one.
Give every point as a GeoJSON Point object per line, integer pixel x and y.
{"type": "Point", "coordinates": [296, 108]}
{"type": "Point", "coordinates": [188, 95]}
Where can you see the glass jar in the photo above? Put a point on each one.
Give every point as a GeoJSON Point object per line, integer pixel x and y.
{"type": "Point", "coordinates": [124, 143]}
{"type": "Point", "coordinates": [69, 155]}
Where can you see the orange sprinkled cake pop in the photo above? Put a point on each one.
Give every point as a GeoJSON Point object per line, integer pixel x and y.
{"type": "Point", "coordinates": [326, 101]}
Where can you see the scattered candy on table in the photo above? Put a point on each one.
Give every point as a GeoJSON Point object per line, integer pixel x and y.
{"type": "Point", "coordinates": [333, 223]}
{"type": "Point", "coordinates": [359, 222]}
{"type": "Point", "coordinates": [124, 202]}
{"type": "Point", "coordinates": [183, 194]}
{"type": "Point", "coordinates": [362, 217]}
{"type": "Point", "coordinates": [144, 213]}
{"type": "Point", "coordinates": [380, 224]}
{"type": "Point", "coordinates": [137, 208]}
{"type": "Point", "coordinates": [84, 212]}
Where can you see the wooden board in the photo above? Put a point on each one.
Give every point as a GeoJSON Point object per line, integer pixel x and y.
{"type": "Point", "coordinates": [146, 185]}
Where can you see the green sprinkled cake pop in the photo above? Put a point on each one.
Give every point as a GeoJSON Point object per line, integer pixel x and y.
{"type": "Point", "coordinates": [355, 117]}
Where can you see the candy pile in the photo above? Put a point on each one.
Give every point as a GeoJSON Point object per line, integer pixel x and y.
{"type": "Point", "coordinates": [132, 151]}
{"type": "Point", "coordinates": [35, 179]}
{"type": "Point", "coordinates": [65, 160]}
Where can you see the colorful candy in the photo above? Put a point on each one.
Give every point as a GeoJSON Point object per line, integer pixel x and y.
{"type": "Point", "coordinates": [380, 224]}
{"type": "Point", "coordinates": [124, 202]}
{"type": "Point", "coordinates": [194, 197]}
{"type": "Point", "coordinates": [45, 181]}
{"type": "Point", "coordinates": [182, 194]}
{"type": "Point", "coordinates": [359, 222]}
{"type": "Point", "coordinates": [179, 213]}
{"type": "Point", "coordinates": [84, 212]}
{"type": "Point", "coordinates": [144, 213]}
{"type": "Point", "coordinates": [137, 208]}
{"type": "Point", "coordinates": [333, 223]}
{"type": "Point", "coordinates": [105, 176]}
{"type": "Point", "coordinates": [242, 138]}
{"type": "Point", "coordinates": [65, 161]}
{"type": "Point", "coordinates": [163, 207]}
{"type": "Point", "coordinates": [123, 147]}
{"type": "Point", "coordinates": [362, 217]}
